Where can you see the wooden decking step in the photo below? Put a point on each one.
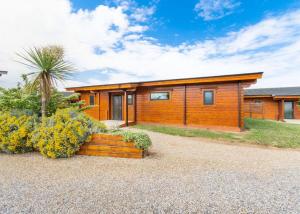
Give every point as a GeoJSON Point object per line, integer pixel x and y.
{"type": "Point", "coordinates": [110, 148]}
{"type": "Point", "coordinates": [110, 154]}
{"type": "Point", "coordinates": [110, 145]}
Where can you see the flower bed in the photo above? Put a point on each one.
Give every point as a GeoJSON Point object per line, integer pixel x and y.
{"type": "Point", "coordinates": [65, 133]}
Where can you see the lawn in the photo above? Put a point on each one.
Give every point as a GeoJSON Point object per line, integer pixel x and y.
{"type": "Point", "coordinates": [262, 132]}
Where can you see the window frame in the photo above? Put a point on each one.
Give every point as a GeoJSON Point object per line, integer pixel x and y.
{"type": "Point", "coordinates": [156, 92]}
{"type": "Point", "coordinates": [213, 97]}
{"type": "Point", "coordinates": [92, 95]}
{"type": "Point", "coordinates": [130, 103]}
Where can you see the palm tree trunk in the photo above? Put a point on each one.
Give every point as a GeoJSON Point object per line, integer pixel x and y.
{"type": "Point", "coordinates": [43, 105]}
{"type": "Point", "coordinates": [44, 100]}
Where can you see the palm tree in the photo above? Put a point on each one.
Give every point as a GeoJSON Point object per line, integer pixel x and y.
{"type": "Point", "coordinates": [50, 67]}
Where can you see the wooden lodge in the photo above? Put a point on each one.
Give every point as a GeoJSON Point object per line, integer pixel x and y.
{"type": "Point", "coordinates": [212, 102]}
{"type": "Point", "coordinates": [272, 103]}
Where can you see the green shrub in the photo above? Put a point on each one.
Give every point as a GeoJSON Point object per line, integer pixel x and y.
{"type": "Point", "coordinates": [61, 135]}
{"type": "Point", "coordinates": [98, 127]}
{"type": "Point", "coordinates": [15, 132]}
{"type": "Point", "coordinates": [140, 139]}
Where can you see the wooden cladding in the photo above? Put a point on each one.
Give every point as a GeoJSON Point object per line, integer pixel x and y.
{"type": "Point", "coordinates": [185, 106]}
{"type": "Point", "coordinates": [267, 108]}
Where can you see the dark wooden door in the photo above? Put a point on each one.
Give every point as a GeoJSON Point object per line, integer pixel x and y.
{"type": "Point", "coordinates": [288, 110]}
{"type": "Point", "coordinates": [117, 107]}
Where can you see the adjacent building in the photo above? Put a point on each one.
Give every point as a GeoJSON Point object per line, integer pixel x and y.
{"type": "Point", "coordinates": [212, 102]}
{"type": "Point", "coordinates": [2, 72]}
{"type": "Point", "coordinates": [272, 103]}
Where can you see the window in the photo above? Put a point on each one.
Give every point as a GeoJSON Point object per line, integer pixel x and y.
{"type": "Point", "coordinates": [130, 99]}
{"type": "Point", "coordinates": [257, 101]}
{"type": "Point", "coordinates": [92, 100]}
{"type": "Point", "coordinates": [159, 96]}
{"type": "Point", "coordinates": [208, 97]}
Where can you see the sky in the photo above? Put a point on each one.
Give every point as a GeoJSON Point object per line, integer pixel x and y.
{"type": "Point", "coordinates": [138, 40]}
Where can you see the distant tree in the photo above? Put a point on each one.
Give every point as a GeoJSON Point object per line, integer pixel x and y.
{"type": "Point", "coordinates": [25, 98]}
{"type": "Point", "coordinates": [20, 98]}
{"type": "Point", "coordinates": [50, 67]}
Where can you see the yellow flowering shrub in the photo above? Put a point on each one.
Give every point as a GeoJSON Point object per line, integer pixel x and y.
{"type": "Point", "coordinates": [62, 134]}
{"type": "Point", "coordinates": [15, 132]}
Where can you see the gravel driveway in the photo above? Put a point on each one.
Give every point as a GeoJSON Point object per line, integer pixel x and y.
{"type": "Point", "coordinates": [181, 175]}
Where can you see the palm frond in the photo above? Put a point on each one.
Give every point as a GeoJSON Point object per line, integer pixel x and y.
{"type": "Point", "coordinates": [49, 66]}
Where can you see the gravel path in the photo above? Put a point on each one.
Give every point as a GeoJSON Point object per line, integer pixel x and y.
{"type": "Point", "coordinates": [181, 175]}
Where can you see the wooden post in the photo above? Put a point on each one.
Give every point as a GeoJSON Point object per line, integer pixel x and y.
{"type": "Point", "coordinates": [281, 110]}
{"type": "Point", "coordinates": [250, 108]}
{"type": "Point", "coordinates": [126, 107]}
{"type": "Point", "coordinates": [239, 105]}
{"type": "Point", "coordinates": [135, 107]}
{"type": "Point", "coordinates": [99, 105]}
{"type": "Point", "coordinates": [109, 107]}
{"type": "Point", "coordinates": [184, 106]}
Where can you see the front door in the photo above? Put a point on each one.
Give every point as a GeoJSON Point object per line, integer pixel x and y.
{"type": "Point", "coordinates": [288, 110]}
{"type": "Point", "coordinates": [117, 107]}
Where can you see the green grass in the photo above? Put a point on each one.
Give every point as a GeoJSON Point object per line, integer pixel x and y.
{"type": "Point", "coordinates": [273, 133]}
{"type": "Point", "coordinates": [262, 132]}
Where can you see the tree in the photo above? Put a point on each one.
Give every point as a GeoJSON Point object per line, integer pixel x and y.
{"type": "Point", "coordinates": [20, 98]}
{"type": "Point", "coordinates": [24, 98]}
{"type": "Point", "coordinates": [50, 67]}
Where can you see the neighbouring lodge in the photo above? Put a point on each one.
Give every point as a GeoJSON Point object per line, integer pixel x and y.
{"type": "Point", "coordinates": [212, 102]}
{"type": "Point", "coordinates": [2, 72]}
{"type": "Point", "coordinates": [272, 103]}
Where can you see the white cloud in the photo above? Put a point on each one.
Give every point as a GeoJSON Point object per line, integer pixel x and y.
{"type": "Point", "coordinates": [215, 9]}
{"type": "Point", "coordinates": [271, 45]}
{"type": "Point", "coordinates": [142, 14]}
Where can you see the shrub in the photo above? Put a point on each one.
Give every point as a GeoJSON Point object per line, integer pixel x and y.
{"type": "Point", "coordinates": [61, 135]}
{"type": "Point", "coordinates": [141, 140]}
{"type": "Point", "coordinates": [15, 132]}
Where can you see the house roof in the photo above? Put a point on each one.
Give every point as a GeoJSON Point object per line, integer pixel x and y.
{"type": "Point", "coordinates": [2, 72]}
{"type": "Point", "coordinates": [273, 92]}
{"type": "Point", "coordinates": [209, 79]}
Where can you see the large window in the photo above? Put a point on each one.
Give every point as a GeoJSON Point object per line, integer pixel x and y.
{"type": "Point", "coordinates": [208, 97]}
{"type": "Point", "coordinates": [159, 96]}
{"type": "Point", "coordinates": [92, 100]}
{"type": "Point", "coordinates": [130, 99]}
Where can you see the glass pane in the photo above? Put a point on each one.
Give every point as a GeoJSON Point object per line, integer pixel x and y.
{"type": "Point", "coordinates": [159, 96]}
{"type": "Point", "coordinates": [130, 99]}
{"type": "Point", "coordinates": [92, 100]}
{"type": "Point", "coordinates": [288, 110]}
{"type": "Point", "coordinates": [208, 97]}
{"type": "Point", "coordinates": [117, 107]}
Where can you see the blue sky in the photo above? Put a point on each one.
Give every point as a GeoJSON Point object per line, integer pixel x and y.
{"type": "Point", "coordinates": [136, 40]}
{"type": "Point", "coordinates": [177, 21]}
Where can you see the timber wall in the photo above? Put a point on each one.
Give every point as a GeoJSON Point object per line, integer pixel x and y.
{"type": "Point", "coordinates": [223, 114]}
{"type": "Point", "coordinates": [266, 109]}
{"type": "Point", "coordinates": [296, 110]}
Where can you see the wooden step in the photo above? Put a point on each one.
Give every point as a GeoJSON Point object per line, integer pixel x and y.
{"type": "Point", "coordinates": [112, 143]}
{"type": "Point", "coordinates": [110, 154]}
{"type": "Point", "coordinates": [110, 148]}
{"type": "Point", "coordinates": [97, 137]}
